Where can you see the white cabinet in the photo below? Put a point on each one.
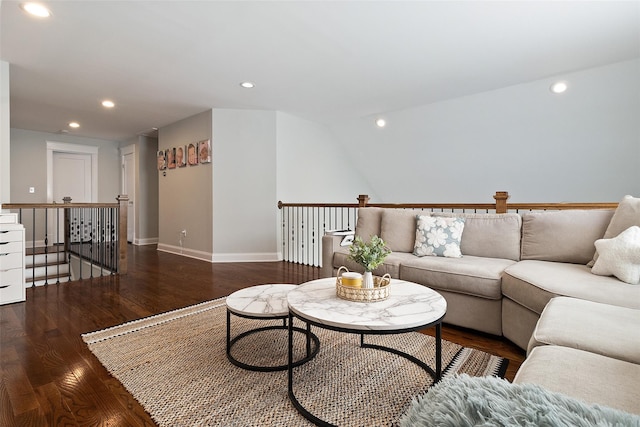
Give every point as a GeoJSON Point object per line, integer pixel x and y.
{"type": "Point", "coordinates": [11, 263]}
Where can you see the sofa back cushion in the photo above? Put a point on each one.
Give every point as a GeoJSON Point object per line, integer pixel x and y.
{"type": "Point", "coordinates": [489, 235]}
{"type": "Point", "coordinates": [368, 223]}
{"type": "Point", "coordinates": [398, 228]}
{"type": "Point", "coordinates": [563, 236]}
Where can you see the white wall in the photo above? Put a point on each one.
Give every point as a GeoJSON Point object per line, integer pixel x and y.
{"type": "Point", "coordinates": [244, 185]}
{"type": "Point", "coordinates": [5, 139]}
{"type": "Point", "coordinates": [581, 146]}
{"type": "Point", "coordinates": [313, 167]}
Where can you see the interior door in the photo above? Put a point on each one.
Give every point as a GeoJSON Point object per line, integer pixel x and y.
{"type": "Point", "coordinates": [129, 188]}
{"type": "Point", "coordinates": [71, 177]}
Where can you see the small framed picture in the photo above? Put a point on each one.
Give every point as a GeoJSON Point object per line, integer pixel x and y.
{"type": "Point", "coordinates": [171, 158]}
{"type": "Point", "coordinates": [162, 161]}
{"type": "Point", "coordinates": [192, 154]}
{"type": "Point", "coordinates": [204, 151]}
{"type": "Point", "coordinates": [181, 157]}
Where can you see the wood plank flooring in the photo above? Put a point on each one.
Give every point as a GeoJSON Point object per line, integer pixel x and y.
{"type": "Point", "coordinates": [48, 377]}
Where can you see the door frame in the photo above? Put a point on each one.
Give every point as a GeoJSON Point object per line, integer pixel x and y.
{"type": "Point", "coordinates": [62, 147]}
{"type": "Point", "coordinates": [132, 207]}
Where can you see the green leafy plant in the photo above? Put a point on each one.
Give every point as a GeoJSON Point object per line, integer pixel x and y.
{"type": "Point", "coordinates": [369, 255]}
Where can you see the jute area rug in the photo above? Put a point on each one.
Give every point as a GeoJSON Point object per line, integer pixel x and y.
{"type": "Point", "coordinates": [175, 365]}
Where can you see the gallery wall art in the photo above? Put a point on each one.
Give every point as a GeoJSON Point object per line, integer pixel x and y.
{"type": "Point", "coordinates": [182, 156]}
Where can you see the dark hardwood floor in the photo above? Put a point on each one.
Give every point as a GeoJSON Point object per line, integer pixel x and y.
{"type": "Point", "coordinates": [48, 377]}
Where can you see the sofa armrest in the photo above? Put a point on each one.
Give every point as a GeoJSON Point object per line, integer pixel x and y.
{"type": "Point", "coordinates": [330, 244]}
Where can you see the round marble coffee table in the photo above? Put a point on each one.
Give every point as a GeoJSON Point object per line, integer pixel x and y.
{"type": "Point", "coordinates": [409, 307]}
{"type": "Point", "coordinates": [264, 302]}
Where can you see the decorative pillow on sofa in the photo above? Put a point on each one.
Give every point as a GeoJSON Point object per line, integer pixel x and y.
{"type": "Point", "coordinates": [438, 236]}
{"type": "Point", "coordinates": [620, 256]}
{"type": "Point", "coordinates": [626, 214]}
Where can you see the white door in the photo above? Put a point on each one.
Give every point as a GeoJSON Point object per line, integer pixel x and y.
{"type": "Point", "coordinates": [72, 176]}
{"type": "Point", "coordinates": [129, 188]}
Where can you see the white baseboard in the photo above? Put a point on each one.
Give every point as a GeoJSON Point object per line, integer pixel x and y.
{"type": "Point", "coordinates": [147, 241]}
{"type": "Point", "coordinates": [228, 257]}
{"type": "Point", "coordinates": [249, 257]}
{"type": "Point", "coordinates": [191, 253]}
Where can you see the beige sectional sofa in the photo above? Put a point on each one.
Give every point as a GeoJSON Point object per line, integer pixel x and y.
{"type": "Point", "coordinates": [512, 264]}
{"type": "Point", "coordinates": [529, 277]}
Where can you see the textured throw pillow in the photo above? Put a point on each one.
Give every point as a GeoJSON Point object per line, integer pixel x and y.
{"type": "Point", "coordinates": [398, 228]}
{"type": "Point", "coordinates": [627, 214]}
{"type": "Point", "coordinates": [368, 223]}
{"type": "Point", "coordinates": [620, 256]}
{"type": "Point", "coordinates": [438, 236]}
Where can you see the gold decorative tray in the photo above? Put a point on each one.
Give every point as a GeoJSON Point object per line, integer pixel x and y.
{"type": "Point", "coordinates": [379, 292]}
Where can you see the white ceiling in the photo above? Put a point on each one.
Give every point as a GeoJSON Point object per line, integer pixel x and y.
{"type": "Point", "coordinates": [162, 61]}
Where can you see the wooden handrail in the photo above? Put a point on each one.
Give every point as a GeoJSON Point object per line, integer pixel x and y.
{"type": "Point", "coordinates": [501, 205]}
{"type": "Point", "coordinates": [58, 205]}
{"type": "Point", "coordinates": [121, 205]}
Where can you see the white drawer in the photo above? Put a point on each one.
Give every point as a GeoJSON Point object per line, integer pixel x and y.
{"type": "Point", "coordinates": [11, 260]}
{"type": "Point", "coordinates": [11, 236]}
{"type": "Point", "coordinates": [11, 286]}
{"type": "Point", "coordinates": [9, 218]}
{"type": "Point", "coordinates": [8, 247]}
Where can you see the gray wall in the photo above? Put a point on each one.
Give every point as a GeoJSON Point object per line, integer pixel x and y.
{"type": "Point", "coordinates": [146, 176]}
{"type": "Point", "coordinates": [244, 185]}
{"type": "Point", "coordinates": [185, 199]}
{"type": "Point", "coordinates": [580, 146]}
{"type": "Point", "coordinates": [29, 165]}
{"type": "Point", "coordinates": [314, 166]}
{"type": "Point", "coordinates": [147, 189]}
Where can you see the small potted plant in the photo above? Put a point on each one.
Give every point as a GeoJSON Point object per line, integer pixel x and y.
{"type": "Point", "coordinates": [369, 256]}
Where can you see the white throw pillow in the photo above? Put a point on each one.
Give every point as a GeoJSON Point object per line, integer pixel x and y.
{"type": "Point", "coordinates": [620, 256]}
{"type": "Point", "coordinates": [627, 214]}
{"type": "Point", "coordinates": [438, 236]}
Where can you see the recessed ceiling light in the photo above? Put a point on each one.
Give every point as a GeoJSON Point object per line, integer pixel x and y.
{"type": "Point", "coordinates": [74, 125]}
{"type": "Point", "coordinates": [248, 85]}
{"type": "Point", "coordinates": [381, 123]}
{"type": "Point", "coordinates": [36, 9]}
{"type": "Point", "coordinates": [558, 87]}
{"type": "Point", "coordinates": [108, 104]}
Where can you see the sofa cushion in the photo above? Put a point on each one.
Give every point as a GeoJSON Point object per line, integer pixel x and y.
{"type": "Point", "coordinates": [532, 284]}
{"type": "Point", "coordinates": [368, 223]}
{"type": "Point", "coordinates": [586, 376]}
{"type": "Point", "coordinates": [476, 276]}
{"type": "Point", "coordinates": [398, 228]}
{"type": "Point", "coordinates": [590, 326]}
{"type": "Point", "coordinates": [438, 236]}
{"type": "Point", "coordinates": [563, 236]}
{"type": "Point", "coordinates": [620, 256]}
{"type": "Point", "coordinates": [626, 214]}
{"type": "Point", "coordinates": [489, 235]}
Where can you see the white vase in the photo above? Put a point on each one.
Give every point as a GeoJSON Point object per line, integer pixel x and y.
{"type": "Point", "coordinates": [367, 280]}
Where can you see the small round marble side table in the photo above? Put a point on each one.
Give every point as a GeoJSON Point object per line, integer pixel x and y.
{"type": "Point", "coordinates": [265, 302]}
